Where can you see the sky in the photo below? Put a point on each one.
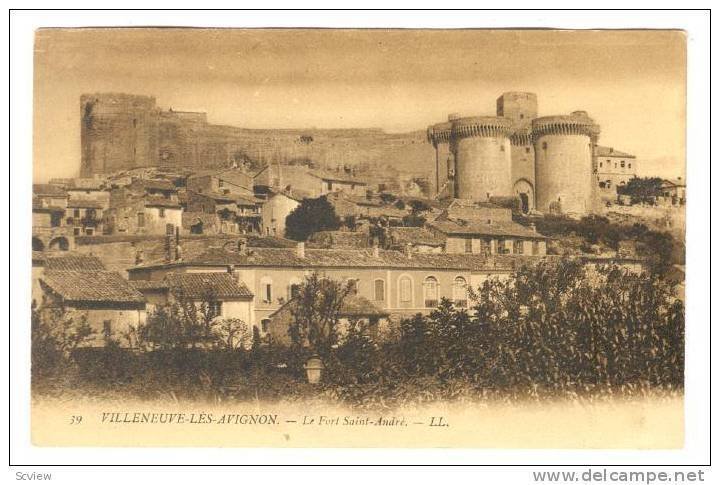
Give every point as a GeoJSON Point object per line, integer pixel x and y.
{"type": "Point", "coordinates": [631, 82]}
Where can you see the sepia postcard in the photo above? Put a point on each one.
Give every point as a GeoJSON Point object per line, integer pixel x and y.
{"type": "Point", "coordinates": [395, 238]}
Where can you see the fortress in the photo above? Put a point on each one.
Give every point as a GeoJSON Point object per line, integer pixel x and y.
{"type": "Point", "coordinates": [547, 162]}
{"type": "Point", "coordinates": [124, 131]}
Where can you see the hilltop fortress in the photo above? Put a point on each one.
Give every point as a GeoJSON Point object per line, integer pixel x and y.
{"type": "Point", "coordinates": [548, 162]}
{"type": "Point", "coordinates": [124, 131]}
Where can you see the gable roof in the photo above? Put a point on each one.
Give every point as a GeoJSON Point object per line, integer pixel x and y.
{"type": "Point", "coordinates": [74, 262]}
{"type": "Point", "coordinates": [48, 190]}
{"type": "Point", "coordinates": [222, 286]}
{"type": "Point", "coordinates": [601, 151]}
{"type": "Point", "coordinates": [459, 227]}
{"type": "Point", "coordinates": [337, 258]}
{"type": "Point", "coordinates": [91, 286]}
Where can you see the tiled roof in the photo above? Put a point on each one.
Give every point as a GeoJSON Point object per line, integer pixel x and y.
{"type": "Point", "coordinates": [473, 228]}
{"type": "Point", "coordinates": [86, 184]}
{"type": "Point", "coordinates": [74, 262]}
{"type": "Point", "coordinates": [84, 204]}
{"type": "Point", "coordinates": [165, 185]}
{"type": "Point", "coordinates": [49, 190]}
{"type": "Point", "coordinates": [415, 235]}
{"type": "Point", "coordinates": [198, 285]}
{"type": "Point", "coordinates": [337, 177]}
{"type": "Point", "coordinates": [602, 151]}
{"type": "Point", "coordinates": [335, 258]}
{"type": "Point", "coordinates": [161, 202]}
{"type": "Point", "coordinates": [141, 285]}
{"type": "Point", "coordinates": [91, 286]}
{"type": "Point", "coordinates": [39, 205]}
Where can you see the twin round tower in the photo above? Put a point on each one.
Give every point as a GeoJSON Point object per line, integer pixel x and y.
{"type": "Point", "coordinates": [547, 162]}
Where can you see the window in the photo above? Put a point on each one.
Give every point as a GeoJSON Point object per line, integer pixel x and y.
{"type": "Point", "coordinates": [107, 329]}
{"type": "Point", "coordinates": [215, 308]}
{"type": "Point", "coordinates": [329, 184]}
{"type": "Point", "coordinates": [518, 246]}
{"type": "Point", "coordinates": [353, 285]}
{"type": "Point", "coordinates": [134, 122]}
{"type": "Point", "coordinates": [265, 324]}
{"type": "Point", "coordinates": [89, 231]}
{"type": "Point", "coordinates": [430, 288]}
{"type": "Point", "coordinates": [600, 164]}
{"type": "Point", "coordinates": [76, 231]}
{"type": "Point", "coordinates": [379, 290]}
{"type": "Point", "coordinates": [502, 148]}
{"type": "Point", "coordinates": [405, 289]}
{"type": "Point", "coordinates": [76, 212]}
{"type": "Point", "coordinates": [221, 182]}
{"type": "Point", "coordinates": [629, 165]}
{"type": "Point", "coordinates": [522, 116]}
{"type": "Point", "coordinates": [468, 245]}
{"type": "Point", "coordinates": [460, 294]}
{"type": "Point", "coordinates": [615, 164]}
{"type": "Point", "coordinates": [544, 145]}
{"type": "Point", "coordinates": [294, 290]}
{"type": "Point", "coordinates": [536, 248]}
{"type": "Point", "coordinates": [622, 164]}
{"type": "Point", "coordinates": [266, 290]}
{"type": "Point", "coordinates": [161, 212]}
{"type": "Point", "coordinates": [141, 219]}
{"type": "Point", "coordinates": [501, 249]}
{"type": "Point", "coordinates": [527, 149]}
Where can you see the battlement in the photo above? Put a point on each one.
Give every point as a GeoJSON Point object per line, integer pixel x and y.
{"type": "Point", "coordinates": [481, 126]}
{"type": "Point", "coordinates": [565, 125]}
{"type": "Point", "coordinates": [439, 133]}
{"type": "Point", "coordinates": [116, 103]}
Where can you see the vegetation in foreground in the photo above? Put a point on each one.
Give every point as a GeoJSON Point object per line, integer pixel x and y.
{"type": "Point", "coordinates": [550, 331]}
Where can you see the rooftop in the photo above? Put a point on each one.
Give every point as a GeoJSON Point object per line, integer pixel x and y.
{"type": "Point", "coordinates": [352, 306]}
{"type": "Point", "coordinates": [334, 258]}
{"type": "Point", "coordinates": [463, 227]}
{"type": "Point", "coordinates": [91, 286]}
{"type": "Point", "coordinates": [84, 204]}
{"type": "Point", "coordinates": [602, 151]}
{"type": "Point", "coordinates": [222, 286]}
{"type": "Point", "coordinates": [49, 190]}
{"type": "Point", "coordinates": [74, 262]}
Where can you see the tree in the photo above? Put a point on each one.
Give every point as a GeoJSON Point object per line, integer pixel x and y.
{"type": "Point", "coordinates": [642, 189]}
{"type": "Point", "coordinates": [316, 313]}
{"type": "Point", "coordinates": [55, 335]}
{"type": "Point", "coordinates": [312, 215]}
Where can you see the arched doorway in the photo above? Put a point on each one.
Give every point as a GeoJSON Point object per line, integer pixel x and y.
{"type": "Point", "coordinates": [525, 191]}
{"type": "Point", "coordinates": [59, 244]}
{"type": "Point", "coordinates": [37, 244]}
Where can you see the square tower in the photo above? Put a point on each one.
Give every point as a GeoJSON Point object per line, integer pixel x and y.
{"type": "Point", "coordinates": [520, 107]}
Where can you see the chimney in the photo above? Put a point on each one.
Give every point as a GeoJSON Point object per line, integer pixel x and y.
{"type": "Point", "coordinates": [242, 246]}
{"type": "Point", "coordinates": [300, 250]}
{"type": "Point", "coordinates": [232, 272]}
{"type": "Point", "coordinates": [408, 250]}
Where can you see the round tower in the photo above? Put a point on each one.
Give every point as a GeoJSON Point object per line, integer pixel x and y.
{"type": "Point", "coordinates": [483, 166]}
{"type": "Point", "coordinates": [563, 163]}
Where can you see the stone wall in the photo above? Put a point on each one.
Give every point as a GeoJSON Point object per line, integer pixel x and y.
{"type": "Point", "coordinates": [121, 131]}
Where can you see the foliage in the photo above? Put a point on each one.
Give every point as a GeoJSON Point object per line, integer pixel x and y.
{"type": "Point", "coordinates": [418, 206]}
{"type": "Point", "coordinates": [312, 215]}
{"type": "Point", "coordinates": [388, 198]}
{"type": "Point", "coordinates": [642, 189]}
{"type": "Point", "coordinates": [55, 335]}
{"type": "Point", "coordinates": [316, 312]}
{"type": "Point", "coordinates": [400, 204]}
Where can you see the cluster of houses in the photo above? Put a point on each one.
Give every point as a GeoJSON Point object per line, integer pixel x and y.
{"type": "Point", "coordinates": [457, 245]}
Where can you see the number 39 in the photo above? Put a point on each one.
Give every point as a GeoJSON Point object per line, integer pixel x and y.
{"type": "Point", "coordinates": [75, 419]}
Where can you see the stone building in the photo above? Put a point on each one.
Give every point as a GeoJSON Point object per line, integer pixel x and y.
{"type": "Point", "coordinates": [397, 282]}
{"type": "Point", "coordinates": [614, 169]}
{"type": "Point", "coordinates": [547, 163]}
